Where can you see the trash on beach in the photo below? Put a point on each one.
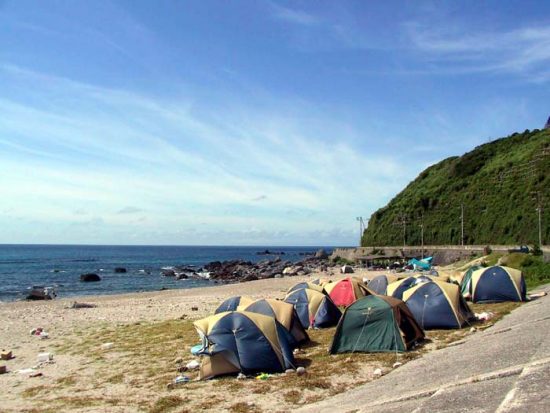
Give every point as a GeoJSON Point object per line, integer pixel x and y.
{"type": "Point", "coordinates": [192, 365]}
{"type": "Point", "coordinates": [485, 316]}
{"type": "Point", "coordinates": [26, 371]}
{"type": "Point", "coordinates": [36, 374]}
{"type": "Point", "coordinates": [290, 371]}
{"type": "Point", "coordinates": [537, 295]}
{"type": "Point", "coordinates": [194, 308]}
{"type": "Point", "coordinates": [377, 373]}
{"type": "Point", "coordinates": [397, 364]}
{"type": "Point", "coordinates": [45, 357]}
{"type": "Point", "coordinates": [43, 335]}
{"type": "Point", "coordinates": [3, 369]}
{"type": "Point", "coordinates": [107, 346]}
{"type": "Point", "coordinates": [39, 332]}
{"type": "Point", "coordinates": [263, 376]}
{"type": "Point", "coordinates": [6, 355]}
{"type": "Point", "coordinates": [196, 349]}
{"type": "Point", "coordinates": [181, 379]}
{"type": "Point", "coordinates": [241, 376]}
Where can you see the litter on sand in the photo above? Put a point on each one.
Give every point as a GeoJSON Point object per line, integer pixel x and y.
{"type": "Point", "coordinates": [6, 355]}
{"type": "Point", "coordinates": [263, 376]}
{"type": "Point", "coordinates": [45, 357]}
{"type": "Point", "coordinates": [192, 365]}
{"type": "Point", "coordinates": [485, 316]}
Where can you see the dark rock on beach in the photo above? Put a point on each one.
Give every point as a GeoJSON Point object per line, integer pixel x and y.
{"type": "Point", "coordinates": [120, 270]}
{"type": "Point", "coordinates": [168, 273]}
{"type": "Point", "coordinates": [91, 277]}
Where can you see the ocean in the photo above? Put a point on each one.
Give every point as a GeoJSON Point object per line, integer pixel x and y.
{"type": "Point", "coordinates": [22, 266]}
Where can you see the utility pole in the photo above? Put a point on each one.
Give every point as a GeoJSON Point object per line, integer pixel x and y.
{"type": "Point", "coordinates": [462, 223]}
{"type": "Point", "coordinates": [361, 228]}
{"type": "Point", "coordinates": [402, 220]}
{"type": "Point", "coordinates": [537, 197]}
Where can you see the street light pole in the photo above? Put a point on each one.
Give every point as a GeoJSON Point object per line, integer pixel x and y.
{"type": "Point", "coordinates": [361, 228]}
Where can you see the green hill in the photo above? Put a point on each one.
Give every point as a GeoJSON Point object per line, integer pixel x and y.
{"type": "Point", "coordinates": [497, 184]}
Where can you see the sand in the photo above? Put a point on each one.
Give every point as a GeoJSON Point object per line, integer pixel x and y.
{"type": "Point", "coordinates": [72, 369]}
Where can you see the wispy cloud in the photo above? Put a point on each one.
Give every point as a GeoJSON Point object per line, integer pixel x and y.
{"type": "Point", "coordinates": [524, 50]}
{"type": "Point", "coordinates": [129, 210]}
{"type": "Point", "coordinates": [293, 16]}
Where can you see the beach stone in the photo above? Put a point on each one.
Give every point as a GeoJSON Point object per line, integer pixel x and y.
{"type": "Point", "coordinates": [168, 273]}
{"type": "Point", "coordinates": [91, 277]}
{"type": "Point", "coordinates": [300, 371]}
{"type": "Point", "coordinates": [120, 270]}
{"type": "Point", "coordinates": [290, 371]}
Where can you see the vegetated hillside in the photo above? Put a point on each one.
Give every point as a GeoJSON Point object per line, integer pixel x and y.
{"type": "Point", "coordinates": [497, 183]}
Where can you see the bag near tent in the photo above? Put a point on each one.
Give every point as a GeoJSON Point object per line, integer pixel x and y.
{"type": "Point", "coordinates": [438, 305]}
{"type": "Point", "coordinates": [376, 324]}
{"type": "Point", "coordinates": [232, 303]}
{"type": "Point", "coordinates": [314, 309]}
{"type": "Point", "coordinates": [497, 284]}
{"type": "Point", "coordinates": [241, 341]}
{"type": "Point", "coordinates": [346, 291]}
{"type": "Point", "coordinates": [284, 313]}
{"type": "Point", "coordinates": [379, 284]}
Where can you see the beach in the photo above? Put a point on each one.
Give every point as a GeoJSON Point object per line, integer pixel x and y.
{"type": "Point", "coordinates": [151, 335]}
{"type": "Point", "coordinates": [81, 370]}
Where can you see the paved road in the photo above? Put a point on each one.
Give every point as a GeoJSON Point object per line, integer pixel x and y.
{"type": "Point", "coordinates": [505, 368]}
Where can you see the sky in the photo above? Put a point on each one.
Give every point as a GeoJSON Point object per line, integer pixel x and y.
{"type": "Point", "coordinates": [248, 122]}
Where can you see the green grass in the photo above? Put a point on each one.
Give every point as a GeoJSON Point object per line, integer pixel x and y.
{"type": "Point", "coordinates": [496, 182]}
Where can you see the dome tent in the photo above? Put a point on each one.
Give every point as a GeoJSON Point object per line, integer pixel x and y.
{"type": "Point", "coordinates": [397, 288]}
{"type": "Point", "coordinates": [284, 313]}
{"type": "Point", "coordinates": [497, 284]}
{"type": "Point", "coordinates": [437, 305]}
{"type": "Point", "coordinates": [466, 281]}
{"type": "Point", "coordinates": [379, 284]}
{"type": "Point", "coordinates": [376, 324]}
{"type": "Point", "coordinates": [311, 285]}
{"type": "Point", "coordinates": [314, 308]}
{"type": "Point", "coordinates": [232, 303]}
{"type": "Point", "coordinates": [346, 291]}
{"type": "Point", "coordinates": [240, 341]}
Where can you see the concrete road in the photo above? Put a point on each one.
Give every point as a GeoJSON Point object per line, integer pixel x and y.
{"type": "Point", "coordinates": [505, 368]}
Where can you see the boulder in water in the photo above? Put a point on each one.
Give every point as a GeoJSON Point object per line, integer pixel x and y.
{"type": "Point", "coordinates": [120, 270]}
{"type": "Point", "coordinates": [91, 277]}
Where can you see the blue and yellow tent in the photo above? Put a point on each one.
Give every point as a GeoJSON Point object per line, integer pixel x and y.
{"type": "Point", "coordinates": [379, 284]}
{"type": "Point", "coordinates": [497, 284]}
{"type": "Point", "coordinates": [437, 305]}
{"type": "Point", "coordinates": [314, 309]}
{"type": "Point", "coordinates": [241, 341]}
{"type": "Point", "coordinates": [232, 303]}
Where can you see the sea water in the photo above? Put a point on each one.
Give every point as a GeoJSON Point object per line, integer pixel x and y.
{"type": "Point", "coordinates": [22, 266]}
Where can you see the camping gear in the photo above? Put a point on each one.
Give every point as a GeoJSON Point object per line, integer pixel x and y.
{"type": "Point", "coordinates": [243, 342]}
{"type": "Point", "coordinates": [311, 285]}
{"type": "Point", "coordinates": [346, 291]}
{"type": "Point", "coordinates": [232, 303]}
{"type": "Point", "coordinates": [423, 264]}
{"type": "Point", "coordinates": [397, 288]}
{"type": "Point", "coordinates": [466, 281]}
{"type": "Point", "coordinates": [314, 308]}
{"type": "Point", "coordinates": [376, 324]}
{"type": "Point", "coordinates": [379, 283]}
{"type": "Point", "coordinates": [437, 305]}
{"type": "Point", "coordinates": [497, 284]}
{"type": "Point", "coordinates": [284, 313]}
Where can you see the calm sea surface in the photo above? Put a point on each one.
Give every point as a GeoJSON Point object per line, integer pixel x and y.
{"type": "Point", "coordinates": [22, 266]}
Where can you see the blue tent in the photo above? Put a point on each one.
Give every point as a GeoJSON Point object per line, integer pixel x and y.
{"type": "Point", "coordinates": [314, 309]}
{"type": "Point", "coordinates": [497, 284]}
{"type": "Point", "coordinates": [232, 303]}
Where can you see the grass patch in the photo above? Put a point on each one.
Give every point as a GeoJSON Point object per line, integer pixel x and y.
{"type": "Point", "coordinates": [243, 407]}
{"type": "Point", "coordinates": [34, 391]}
{"type": "Point", "coordinates": [166, 404]}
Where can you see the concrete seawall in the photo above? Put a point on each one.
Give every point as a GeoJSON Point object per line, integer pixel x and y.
{"type": "Point", "coordinates": [443, 254]}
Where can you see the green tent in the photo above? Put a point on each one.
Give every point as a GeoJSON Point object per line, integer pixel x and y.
{"type": "Point", "coordinates": [466, 280]}
{"type": "Point", "coordinates": [376, 324]}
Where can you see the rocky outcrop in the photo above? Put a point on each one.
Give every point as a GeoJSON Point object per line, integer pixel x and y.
{"type": "Point", "coordinates": [91, 277]}
{"type": "Point", "coordinates": [239, 270]}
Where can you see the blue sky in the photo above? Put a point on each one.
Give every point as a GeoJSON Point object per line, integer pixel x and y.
{"type": "Point", "coordinates": [248, 122]}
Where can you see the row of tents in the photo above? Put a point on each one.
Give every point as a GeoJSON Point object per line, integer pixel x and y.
{"type": "Point", "coordinates": [387, 314]}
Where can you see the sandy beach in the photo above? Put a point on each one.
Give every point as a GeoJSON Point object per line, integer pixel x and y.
{"type": "Point", "coordinates": [65, 325]}
{"type": "Point", "coordinates": [151, 334]}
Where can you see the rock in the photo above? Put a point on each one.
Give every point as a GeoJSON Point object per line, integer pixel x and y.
{"type": "Point", "coordinates": [290, 371]}
{"type": "Point", "coordinates": [168, 273]}
{"type": "Point", "coordinates": [322, 254]}
{"type": "Point", "coordinates": [91, 277]}
{"type": "Point", "coordinates": [178, 360]}
{"type": "Point", "coordinates": [289, 271]}
{"type": "Point", "coordinates": [181, 276]}
{"type": "Point", "coordinates": [300, 371]}
{"type": "Point", "coordinates": [377, 373]}
{"type": "Point", "coordinates": [397, 364]}
{"type": "Point", "coordinates": [120, 270]}
{"type": "Point", "coordinates": [278, 276]}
